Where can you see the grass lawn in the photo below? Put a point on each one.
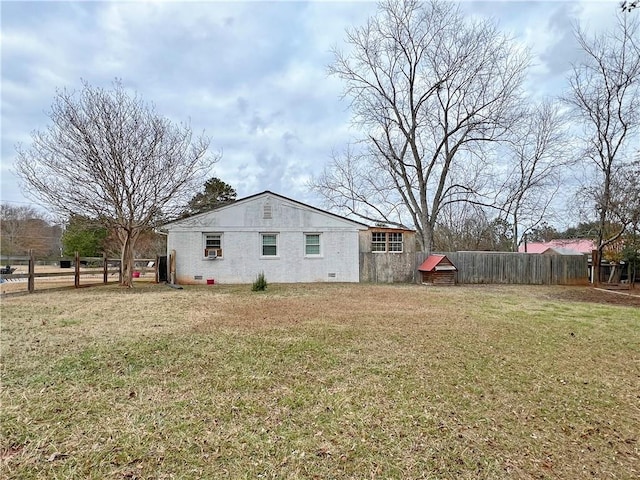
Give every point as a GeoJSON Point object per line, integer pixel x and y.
{"type": "Point", "coordinates": [319, 381]}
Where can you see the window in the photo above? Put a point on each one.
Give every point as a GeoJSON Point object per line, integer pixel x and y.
{"type": "Point", "coordinates": [312, 244]}
{"type": "Point", "coordinates": [269, 245]}
{"type": "Point", "coordinates": [395, 241]}
{"type": "Point", "coordinates": [386, 242]}
{"type": "Point", "coordinates": [379, 242]}
{"type": "Point", "coordinates": [212, 245]}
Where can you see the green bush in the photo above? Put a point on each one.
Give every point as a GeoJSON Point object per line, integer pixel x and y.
{"type": "Point", "coordinates": [260, 285]}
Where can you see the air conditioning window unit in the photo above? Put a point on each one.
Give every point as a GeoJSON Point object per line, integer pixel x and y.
{"type": "Point", "coordinates": [214, 253]}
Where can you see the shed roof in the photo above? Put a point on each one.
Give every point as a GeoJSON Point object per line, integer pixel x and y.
{"type": "Point", "coordinates": [432, 262]}
{"type": "Point", "coordinates": [562, 251]}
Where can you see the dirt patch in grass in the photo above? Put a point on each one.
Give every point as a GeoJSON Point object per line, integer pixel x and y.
{"type": "Point", "coordinates": [630, 298]}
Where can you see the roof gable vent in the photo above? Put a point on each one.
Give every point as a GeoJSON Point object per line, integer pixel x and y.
{"type": "Point", "coordinates": [267, 213]}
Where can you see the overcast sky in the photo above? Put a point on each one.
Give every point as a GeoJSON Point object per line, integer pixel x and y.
{"type": "Point", "coordinates": [252, 75]}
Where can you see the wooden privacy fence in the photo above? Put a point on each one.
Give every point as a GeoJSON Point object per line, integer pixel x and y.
{"type": "Point", "coordinates": [100, 270]}
{"type": "Point", "coordinates": [480, 267]}
{"type": "Point", "coordinates": [520, 268]}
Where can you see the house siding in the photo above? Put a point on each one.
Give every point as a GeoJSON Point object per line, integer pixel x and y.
{"type": "Point", "coordinates": [241, 225]}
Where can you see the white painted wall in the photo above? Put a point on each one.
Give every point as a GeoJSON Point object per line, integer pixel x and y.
{"type": "Point", "coordinates": [241, 225]}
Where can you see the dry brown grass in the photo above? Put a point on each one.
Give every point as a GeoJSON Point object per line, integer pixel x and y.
{"type": "Point", "coordinates": [319, 381]}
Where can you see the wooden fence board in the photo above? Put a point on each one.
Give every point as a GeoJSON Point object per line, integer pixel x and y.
{"type": "Point", "coordinates": [481, 267]}
{"type": "Point", "coordinates": [520, 268]}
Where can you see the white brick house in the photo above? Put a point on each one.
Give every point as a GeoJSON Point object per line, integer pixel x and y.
{"type": "Point", "coordinates": [287, 240]}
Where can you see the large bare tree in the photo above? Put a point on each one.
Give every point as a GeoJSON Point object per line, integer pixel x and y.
{"type": "Point", "coordinates": [605, 98]}
{"type": "Point", "coordinates": [428, 89]}
{"type": "Point", "coordinates": [537, 155]}
{"type": "Point", "coordinates": [109, 156]}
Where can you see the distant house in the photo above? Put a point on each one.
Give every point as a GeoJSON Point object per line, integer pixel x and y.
{"type": "Point", "coordinates": [268, 233]}
{"type": "Point", "coordinates": [438, 270]}
{"type": "Point", "coordinates": [561, 247]}
{"type": "Point", "coordinates": [564, 247]}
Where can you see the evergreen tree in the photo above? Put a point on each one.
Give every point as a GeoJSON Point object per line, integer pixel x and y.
{"type": "Point", "coordinates": [83, 235]}
{"type": "Point", "coordinates": [216, 194]}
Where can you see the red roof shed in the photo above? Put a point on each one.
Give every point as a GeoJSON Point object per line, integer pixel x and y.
{"type": "Point", "coordinates": [438, 270]}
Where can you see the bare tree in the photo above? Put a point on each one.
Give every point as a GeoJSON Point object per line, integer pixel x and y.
{"type": "Point", "coordinates": [109, 156]}
{"type": "Point", "coordinates": [605, 98]}
{"type": "Point", "coordinates": [24, 229]}
{"type": "Point", "coordinates": [428, 89]}
{"type": "Point", "coordinates": [467, 226]}
{"type": "Point", "coordinates": [13, 221]}
{"type": "Point", "coordinates": [623, 207]}
{"type": "Point", "coordinates": [537, 155]}
{"type": "Point", "coordinates": [627, 205]}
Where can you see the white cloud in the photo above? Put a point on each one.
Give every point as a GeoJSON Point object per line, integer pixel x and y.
{"type": "Point", "coordinates": [251, 74]}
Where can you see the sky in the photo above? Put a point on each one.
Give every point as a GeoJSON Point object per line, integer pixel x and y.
{"type": "Point", "coordinates": [251, 75]}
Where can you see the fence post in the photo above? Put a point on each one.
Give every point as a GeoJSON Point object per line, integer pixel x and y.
{"type": "Point", "coordinates": [31, 282]}
{"type": "Point", "coordinates": [157, 269]}
{"type": "Point", "coordinates": [76, 276]}
{"type": "Point", "coordinates": [105, 268]}
{"type": "Point", "coordinates": [595, 267]}
{"type": "Point", "coordinates": [172, 267]}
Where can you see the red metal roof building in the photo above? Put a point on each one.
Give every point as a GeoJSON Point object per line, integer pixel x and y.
{"type": "Point", "coordinates": [438, 270]}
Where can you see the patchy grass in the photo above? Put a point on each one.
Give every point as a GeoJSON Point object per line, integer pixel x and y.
{"type": "Point", "coordinates": [319, 381]}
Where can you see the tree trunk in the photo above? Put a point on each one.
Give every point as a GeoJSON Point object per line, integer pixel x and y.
{"type": "Point", "coordinates": [425, 238]}
{"type": "Point", "coordinates": [128, 240]}
{"type": "Point", "coordinates": [515, 233]}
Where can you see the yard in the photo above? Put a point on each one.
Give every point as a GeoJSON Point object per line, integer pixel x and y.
{"type": "Point", "coordinates": [320, 381]}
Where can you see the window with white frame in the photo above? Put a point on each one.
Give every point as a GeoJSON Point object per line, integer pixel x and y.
{"type": "Point", "coordinates": [378, 242]}
{"type": "Point", "coordinates": [212, 245]}
{"type": "Point", "coordinates": [382, 242]}
{"type": "Point", "coordinates": [312, 244]}
{"type": "Point", "coordinates": [394, 242]}
{"type": "Point", "coordinates": [269, 244]}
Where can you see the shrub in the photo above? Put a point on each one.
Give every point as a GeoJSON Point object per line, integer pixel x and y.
{"type": "Point", "coordinates": [260, 285]}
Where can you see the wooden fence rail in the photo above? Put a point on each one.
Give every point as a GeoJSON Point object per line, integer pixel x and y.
{"type": "Point", "coordinates": [104, 267]}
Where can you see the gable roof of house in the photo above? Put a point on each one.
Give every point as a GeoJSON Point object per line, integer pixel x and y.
{"type": "Point", "coordinates": [579, 245]}
{"type": "Point", "coordinates": [432, 262]}
{"type": "Point", "coordinates": [562, 251]}
{"type": "Point", "coordinates": [265, 193]}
